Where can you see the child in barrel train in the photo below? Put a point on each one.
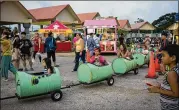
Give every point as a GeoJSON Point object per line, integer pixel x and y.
{"type": "Point", "coordinates": [138, 48]}
{"type": "Point", "coordinates": [169, 89]}
{"type": "Point", "coordinates": [145, 50]}
{"type": "Point", "coordinates": [97, 59]}
{"type": "Point", "coordinates": [48, 69]}
{"type": "Point", "coordinates": [124, 52]}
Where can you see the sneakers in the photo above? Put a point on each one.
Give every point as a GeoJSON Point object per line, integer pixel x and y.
{"type": "Point", "coordinates": [25, 69]}
{"type": "Point", "coordinates": [31, 69]}
{"type": "Point", "coordinates": [20, 69]}
{"type": "Point", "coordinates": [33, 60]}
{"type": "Point", "coordinates": [73, 70]}
{"type": "Point", "coordinates": [5, 79]}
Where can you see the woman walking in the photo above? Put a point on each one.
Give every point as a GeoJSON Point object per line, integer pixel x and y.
{"type": "Point", "coordinates": [79, 47]}
{"type": "Point", "coordinates": [6, 56]}
{"type": "Point", "coordinates": [16, 51]}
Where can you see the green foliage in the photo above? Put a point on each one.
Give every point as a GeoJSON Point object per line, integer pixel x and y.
{"type": "Point", "coordinates": [139, 20]}
{"type": "Point", "coordinates": [164, 21]}
{"type": "Point", "coordinates": [122, 31]}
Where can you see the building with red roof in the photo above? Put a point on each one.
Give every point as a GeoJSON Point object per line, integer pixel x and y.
{"type": "Point", "coordinates": [124, 25]}
{"type": "Point", "coordinates": [141, 27]}
{"type": "Point", "coordinates": [62, 13]}
{"type": "Point", "coordinates": [88, 16]}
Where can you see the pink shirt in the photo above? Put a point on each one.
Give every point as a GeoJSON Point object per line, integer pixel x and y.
{"type": "Point", "coordinates": [101, 60]}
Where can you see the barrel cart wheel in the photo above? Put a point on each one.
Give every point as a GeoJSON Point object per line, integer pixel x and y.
{"type": "Point", "coordinates": [110, 81]}
{"type": "Point", "coordinates": [136, 71]}
{"type": "Point", "coordinates": [56, 95]}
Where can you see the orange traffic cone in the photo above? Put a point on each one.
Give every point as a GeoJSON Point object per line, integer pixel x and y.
{"type": "Point", "coordinates": [151, 72]}
{"type": "Point", "coordinates": [87, 56]}
{"type": "Point", "coordinates": [157, 66]}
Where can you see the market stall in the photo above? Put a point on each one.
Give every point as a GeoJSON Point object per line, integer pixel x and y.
{"type": "Point", "coordinates": [61, 33]}
{"type": "Point", "coordinates": [174, 28]}
{"type": "Point", "coordinates": [107, 28]}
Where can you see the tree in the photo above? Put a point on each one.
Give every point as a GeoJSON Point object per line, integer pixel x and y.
{"type": "Point", "coordinates": [122, 31]}
{"type": "Point", "coordinates": [164, 21]}
{"type": "Point", "coordinates": [139, 20]}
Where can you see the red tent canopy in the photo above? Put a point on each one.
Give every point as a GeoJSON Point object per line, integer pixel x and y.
{"type": "Point", "coordinates": [56, 27]}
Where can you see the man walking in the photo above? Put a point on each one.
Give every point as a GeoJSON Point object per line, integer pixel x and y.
{"type": "Point", "coordinates": [91, 44]}
{"type": "Point", "coordinates": [97, 40]}
{"type": "Point", "coordinates": [25, 51]}
{"type": "Point", "coordinates": [50, 45]}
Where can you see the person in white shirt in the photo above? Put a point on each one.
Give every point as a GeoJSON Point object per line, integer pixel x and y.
{"type": "Point", "coordinates": [97, 40]}
{"type": "Point", "coordinates": [145, 50]}
{"type": "Point", "coordinates": [147, 41]}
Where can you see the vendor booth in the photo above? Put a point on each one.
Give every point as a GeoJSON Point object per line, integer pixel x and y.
{"type": "Point", "coordinates": [107, 28]}
{"type": "Point", "coordinates": [61, 34]}
{"type": "Point", "coordinates": [175, 29]}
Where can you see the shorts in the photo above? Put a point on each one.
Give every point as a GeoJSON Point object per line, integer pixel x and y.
{"type": "Point", "coordinates": [16, 54]}
{"type": "Point", "coordinates": [25, 57]}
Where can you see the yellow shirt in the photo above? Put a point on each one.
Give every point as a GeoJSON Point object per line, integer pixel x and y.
{"type": "Point", "coordinates": [6, 47]}
{"type": "Point", "coordinates": [79, 45]}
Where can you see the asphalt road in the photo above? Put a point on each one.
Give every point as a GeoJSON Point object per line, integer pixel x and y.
{"type": "Point", "coordinates": [128, 92]}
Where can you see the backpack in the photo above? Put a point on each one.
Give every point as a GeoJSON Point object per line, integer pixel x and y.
{"type": "Point", "coordinates": [51, 45]}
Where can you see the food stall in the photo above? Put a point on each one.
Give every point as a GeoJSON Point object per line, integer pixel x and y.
{"type": "Point", "coordinates": [60, 30]}
{"type": "Point", "coordinates": [107, 28]}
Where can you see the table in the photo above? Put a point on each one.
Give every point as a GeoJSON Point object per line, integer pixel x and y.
{"type": "Point", "coordinates": [64, 46]}
{"type": "Point", "coordinates": [42, 50]}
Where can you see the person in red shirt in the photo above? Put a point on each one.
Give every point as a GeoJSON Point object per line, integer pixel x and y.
{"type": "Point", "coordinates": [36, 41]}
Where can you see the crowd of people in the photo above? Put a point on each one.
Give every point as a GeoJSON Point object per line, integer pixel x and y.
{"type": "Point", "coordinates": [16, 48]}
{"type": "Point", "coordinates": [87, 49]}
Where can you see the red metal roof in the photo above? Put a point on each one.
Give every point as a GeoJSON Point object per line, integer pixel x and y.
{"type": "Point", "coordinates": [87, 16]}
{"type": "Point", "coordinates": [137, 25]}
{"type": "Point", "coordinates": [122, 23]}
{"type": "Point", "coordinates": [47, 13]}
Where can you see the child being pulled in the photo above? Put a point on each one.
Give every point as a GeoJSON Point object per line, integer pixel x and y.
{"type": "Point", "coordinates": [97, 59]}
{"type": "Point", "coordinates": [123, 52]}
{"type": "Point", "coordinates": [138, 48]}
{"type": "Point", "coordinates": [145, 50]}
{"type": "Point", "coordinates": [48, 69]}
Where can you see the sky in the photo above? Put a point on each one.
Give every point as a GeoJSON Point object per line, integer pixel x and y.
{"type": "Point", "coordinates": [131, 10]}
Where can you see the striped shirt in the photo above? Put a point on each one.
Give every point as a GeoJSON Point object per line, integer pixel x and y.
{"type": "Point", "coordinates": [169, 102]}
{"type": "Point", "coordinates": [45, 70]}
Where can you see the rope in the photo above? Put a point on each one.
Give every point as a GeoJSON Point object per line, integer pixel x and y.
{"type": "Point", "coordinates": [8, 97]}
{"type": "Point", "coordinates": [69, 86]}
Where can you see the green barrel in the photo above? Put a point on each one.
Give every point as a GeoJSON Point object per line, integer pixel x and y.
{"type": "Point", "coordinates": [122, 65]}
{"type": "Point", "coordinates": [89, 73]}
{"type": "Point", "coordinates": [30, 84]}
{"type": "Point", "coordinates": [141, 59]}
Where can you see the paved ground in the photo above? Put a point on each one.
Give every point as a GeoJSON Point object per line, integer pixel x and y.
{"type": "Point", "coordinates": [128, 93]}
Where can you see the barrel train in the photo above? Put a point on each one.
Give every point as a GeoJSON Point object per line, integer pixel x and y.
{"type": "Point", "coordinates": [36, 84]}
